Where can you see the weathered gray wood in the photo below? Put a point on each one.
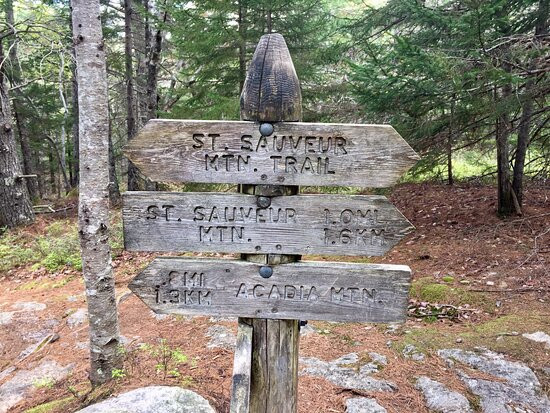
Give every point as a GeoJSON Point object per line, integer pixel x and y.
{"type": "Point", "coordinates": [274, 372]}
{"type": "Point", "coordinates": [271, 91]}
{"type": "Point", "coordinates": [242, 365]}
{"type": "Point", "coordinates": [307, 290]}
{"type": "Point", "coordinates": [321, 154]}
{"type": "Point", "coordinates": [301, 224]}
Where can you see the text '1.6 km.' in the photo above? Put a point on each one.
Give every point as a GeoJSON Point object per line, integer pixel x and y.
{"type": "Point", "coordinates": [301, 224]}
{"type": "Point", "coordinates": [320, 154]}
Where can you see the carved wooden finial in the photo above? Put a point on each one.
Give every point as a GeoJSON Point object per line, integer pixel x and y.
{"type": "Point", "coordinates": [271, 91]}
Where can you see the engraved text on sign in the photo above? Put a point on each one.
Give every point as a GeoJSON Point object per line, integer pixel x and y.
{"type": "Point", "coordinates": [303, 224]}
{"type": "Point", "coordinates": [312, 290]}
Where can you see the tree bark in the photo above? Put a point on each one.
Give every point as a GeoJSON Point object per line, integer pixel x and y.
{"type": "Point", "coordinates": [242, 44]}
{"type": "Point", "coordinates": [63, 133]}
{"type": "Point", "coordinates": [541, 28]}
{"type": "Point", "coordinates": [505, 200]}
{"type": "Point", "coordinates": [152, 73]}
{"type": "Point", "coordinates": [133, 173]}
{"type": "Point", "coordinates": [74, 99]}
{"type": "Point", "coordinates": [15, 202]}
{"type": "Point", "coordinates": [55, 150]}
{"type": "Point", "coordinates": [141, 38]}
{"type": "Point", "coordinates": [24, 141]}
{"type": "Point", "coordinates": [450, 178]}
{"type": "Point", "coordinates": [93, 209]}
{"type": "Point", "coordinates": [114, 190]}
{"type": "Point", "coordinates": [51, 167]}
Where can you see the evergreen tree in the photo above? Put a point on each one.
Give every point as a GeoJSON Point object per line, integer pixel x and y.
{"type": "Point", "coordinates": [453, 74]}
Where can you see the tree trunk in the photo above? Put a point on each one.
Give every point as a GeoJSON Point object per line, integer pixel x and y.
{"type": "Point", "coordinates": [63, 133]}
{"type": "Point", "coordinates": [242, 44]}
{"type": "Point", "coordinates": [502, 132]}
{"type": "Point", "coordinates": [27, 153]}
{"type": "Point", "coordinates": [152, 73]}
{"type": "Point", "coordinates": [37, 165]}
{"type": "Point", "coordinates": [51, 166]}
{"type": "Point", "coordinates": [93, 209]}
{"type": "Point", "coordinates": [450, 178]}
{"type": "Point", "coordinates": [75, 153]}
{"type": "Point", "coordinates": [114, 190]}
{"type": "Point", "coordinates": [55, 150]}
{"type": "Point", "coordinates": [24, 140]}
{"type": "Point", "coordinates": [541, 28]}
{"type": "Point", "coordinates": [141, 38]}
{"type": "Point", "coordinates": [133, 173]}
{"type": "Point", "coordinates": [15, 202]}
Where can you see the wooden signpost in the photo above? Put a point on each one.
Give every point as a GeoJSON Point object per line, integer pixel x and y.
{"type": "Point", "coordinates": [269, 153]}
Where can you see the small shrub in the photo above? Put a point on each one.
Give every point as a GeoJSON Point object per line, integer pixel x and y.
{"type": "Point", "coordinates": [13, 252]}
{"type": "Point", "coordinates": [45, 382]}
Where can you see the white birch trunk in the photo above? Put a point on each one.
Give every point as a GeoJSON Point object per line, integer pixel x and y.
{"type": "Point", "coordinates": [94, 188]}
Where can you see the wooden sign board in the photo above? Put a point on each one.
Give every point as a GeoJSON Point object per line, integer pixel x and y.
{"type": "Point", "coordinates": [301, 224]}
{"type": "Point", "coordinates": [303, 290]}
{"type": "Point", "coordinates": [318, 154]}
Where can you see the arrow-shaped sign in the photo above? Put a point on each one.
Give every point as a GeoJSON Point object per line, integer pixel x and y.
{"type": "Point", "coordinates": [301, 224]}
{"type": "Point", "coordinates": [303, 290]}
{"type": "Point", "coordinates": [294, 153]}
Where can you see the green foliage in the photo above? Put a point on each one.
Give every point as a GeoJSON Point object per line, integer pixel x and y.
{"type": "Point", "coordinates": [55, 405]}
{"type": "Point", "coordinates": [217, 39]}
{"type": "Point", "coordinates": [425, 289]}
{"type": "Point", "coordinates": [168, 359]}
{"type": "Point", "coordinates": [59, 247]}
{"type": "Point", "coordinates": [13, 251]}
{"type": "Point", "coordinates": [45, 382]}
{"type": "Point", "coordinates": [439, 71]}
{"type": "Point", "coordinates": [118, 374]}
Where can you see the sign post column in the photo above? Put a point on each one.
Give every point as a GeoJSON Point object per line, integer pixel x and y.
{"type": "Point", "coordinates": [271, 93]}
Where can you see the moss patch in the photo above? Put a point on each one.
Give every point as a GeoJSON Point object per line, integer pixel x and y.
{"type": "Point", "coordinates": [425, 289]}
{"type": "Point", "coordinates": [502, 334]}
{"type": "Point", "coordinates": [52, 406]}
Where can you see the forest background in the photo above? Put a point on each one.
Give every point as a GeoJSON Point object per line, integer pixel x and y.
{"type": "Point", "coordinates": [464, 82]}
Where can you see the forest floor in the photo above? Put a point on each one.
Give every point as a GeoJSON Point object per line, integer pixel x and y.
{"type": "Point", "coordinates": [478, 282]}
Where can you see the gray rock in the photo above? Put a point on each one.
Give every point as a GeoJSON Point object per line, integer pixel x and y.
{"type": "Point", "coordinates": [77, 318]}
{"type": "Point", "coordinates": [307, 330]}
{"type": "Point", "coordinates": [378, 358]}
{"type": "Point", "coordinates": [221, 336]}
{"type": "Point", "coordinates": [153, 399]}
{"type": "Point", "coordinates": [29, 306]}
{"type": "Point", "coordinates": [440, 399]}
{"type": "Point", "coordinates": [489, 362]}
{"type": "Point", "coordinates": [345, 372]}
{"type": "Point", "coordinates": [15, 389]}
{"type": "Point", "coordinates": [539, 337]}
{"type": "Point", "coordinates": [221, 319]}
{"type": "Point", "coordinates": [6, 372]}
{"type": "Point", "coordinates": [520, 391]}
{"type": "Point", "coordinates": [82, 345]}
{"type": "Point", "coordinates": [392, 328]}
{"type": "Point", "coordinates": [363, 405]}
{"type": "Point", "coordinates": [159, 317]}
{"type": "Point", "coordinates": [6, 317]}
{"type": "Point", "coordinates": [412, 352]}
{"type": "Point", "coordinates": [35, 347]}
